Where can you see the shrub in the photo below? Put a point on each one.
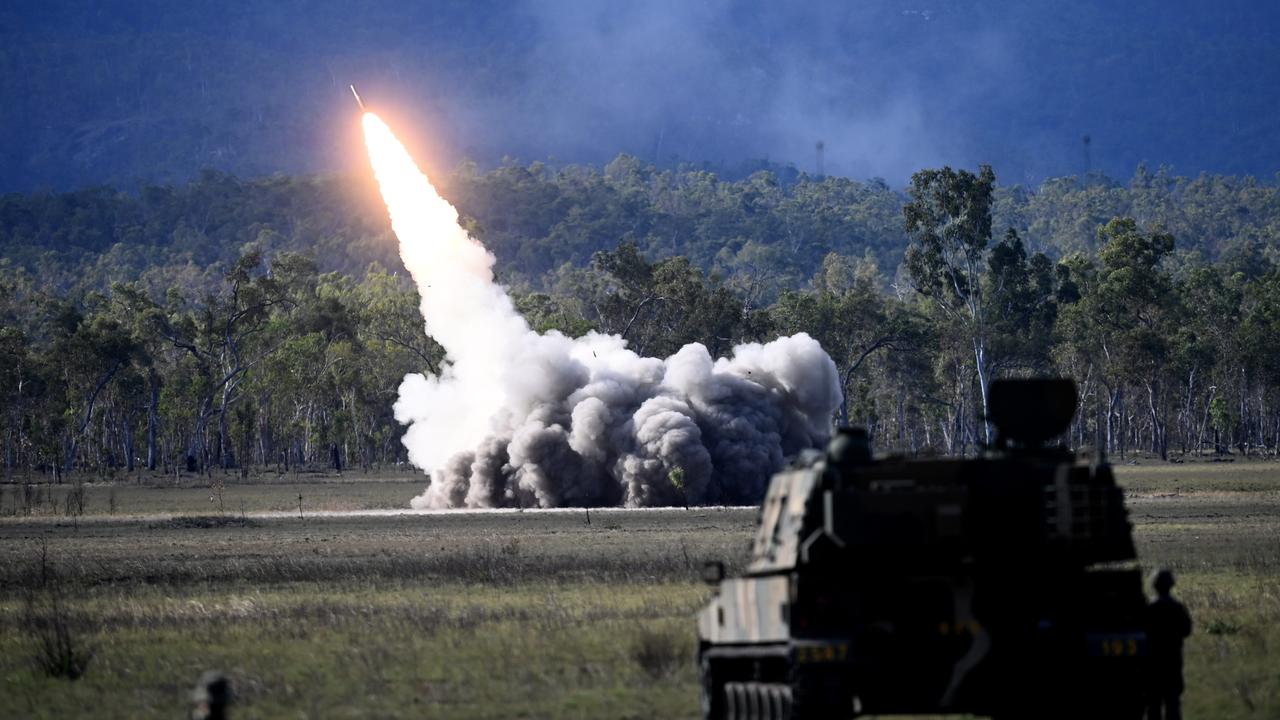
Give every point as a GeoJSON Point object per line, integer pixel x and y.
{"type": "Point", "coordinates": [659, 654]}
{"type": "Point", "coordinates": [73, 503]}
{"type": "Point", "coordinates": [202, 522]}
{"type": "Point", "coordinates": [1218, 626]}
{"type": "Point", "coordinates": [60, 651]}
{"type": "Point", "coordinates": [60, 647]}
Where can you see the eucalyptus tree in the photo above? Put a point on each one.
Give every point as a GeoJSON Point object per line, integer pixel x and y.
{"type": "Point", "coordinates": [1208, 358]}
{"type": "Point", "coordinates": [948, 218]}
{"type": "Point", "coordinates": [386, 308]}
{"type": "Point", "coordinates": [1023, 293]}
{"type": "Point", "coordinates": [660, 307]}
{"type": "Point", "coordinates": [1132, 303]}
{"type": "Point", "coordinates": [87, 353]}
{"type": "Point", "coordinates": [225, 336]}
{"type": "Point", "coordinates": [849, 313]}
{"type": "Point", "coordinates": [1259, 337]}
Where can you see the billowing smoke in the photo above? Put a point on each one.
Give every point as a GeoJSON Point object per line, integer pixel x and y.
{"type": "Point", "coordinates": [518, 418]}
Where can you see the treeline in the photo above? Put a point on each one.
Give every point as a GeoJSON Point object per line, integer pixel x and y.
{"type": "Point", "coordinates": [224, 347]}
{"type": "Point", "coordinates": [773, 227]}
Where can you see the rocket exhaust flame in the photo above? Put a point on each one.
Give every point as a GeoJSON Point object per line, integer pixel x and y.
{"type": "Point", "coordinates": [518, 418]}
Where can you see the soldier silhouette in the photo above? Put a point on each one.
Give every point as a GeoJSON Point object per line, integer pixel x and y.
{"type": "Point", "coordinates": [1167, 624]}
{"type": "Point", "coordinates": [212, 695]}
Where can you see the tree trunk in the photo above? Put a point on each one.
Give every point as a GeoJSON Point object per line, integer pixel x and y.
{"type": "Point", "coordinates": [1275, 428]}
{"type": "Point", "coordinates": [902, 420]}
{"type": "Point", "coordinates": [1113, 430]}
{"type": "Point", "coordinates": [88, 415]}
{"type": "Point", "coordinates": [225, 456]}
{"type": "Point", "coordinates": [1120, 421]}
{"type": "Point", "coordinates": [153, 417]}
{"type": "Point", "coordinates": [1204, 420]}
{"type": "Point", "coordinates": [128, 442]}
{"type": "Point", "coordinates": [1159, 431]}
{"type": "Point", "coordinates": [980, 360]}
{"type": "Point", "coordinates": [196, 449]}
{"type": "Point", "coordinates": [1243, 431]}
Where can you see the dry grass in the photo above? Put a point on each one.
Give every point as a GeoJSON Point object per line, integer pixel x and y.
{"type": "Point", "coordinates": [152, 494]}
{"type": "Point", "coordinates": [1218, 526]}
{"type": "Point", "coordinates": [1160, 479]}
{"type": "Point", "coordinates": [57, 637]}
{"type": "Point", "coordinates": [529, 614]}
{"type": "Point", "coordinates": [509, 615]}
{"type": "Point", "coordinates": [661, 653]}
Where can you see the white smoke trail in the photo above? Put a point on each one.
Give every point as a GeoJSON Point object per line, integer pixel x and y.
{"type": "Point", "coordinates": [521, 418]}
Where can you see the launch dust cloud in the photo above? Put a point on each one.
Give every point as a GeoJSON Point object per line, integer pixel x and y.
{"type": "Point", "coordinates": [518, 418]}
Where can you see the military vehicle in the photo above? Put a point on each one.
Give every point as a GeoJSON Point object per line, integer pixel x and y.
{"type": "Point", "coordinates": [1003, 585]}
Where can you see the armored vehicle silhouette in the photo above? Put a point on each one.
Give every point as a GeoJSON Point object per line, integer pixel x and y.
{"type": "Point", "coordinates": [1002, 585]}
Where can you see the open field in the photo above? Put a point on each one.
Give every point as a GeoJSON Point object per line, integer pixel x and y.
{"type": "Point", "coordinates": [197, 494]}
{"type": "Point", "coordinates": [497, 615]}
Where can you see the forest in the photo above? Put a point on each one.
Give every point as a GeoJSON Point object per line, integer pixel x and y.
{"type": "Point", "coordinates": [260, 326]}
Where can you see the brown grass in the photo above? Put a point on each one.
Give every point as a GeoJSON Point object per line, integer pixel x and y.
{"type": "Point", "coordinates": [507, 615]}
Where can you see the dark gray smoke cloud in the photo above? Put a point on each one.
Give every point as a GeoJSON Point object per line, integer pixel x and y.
{"type": "Point", "coordinates": [625, 430]}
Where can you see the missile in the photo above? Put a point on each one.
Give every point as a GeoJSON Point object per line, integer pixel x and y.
{"type": "Point", "coordinates": [358, 100]}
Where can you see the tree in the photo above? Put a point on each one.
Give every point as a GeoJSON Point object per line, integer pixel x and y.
{"type": "Point", "coordinates": [1022, 295]}
{"type": "Point", "coordinates": [224, 339]}
{"type": "Point", "coordinates": [660, 307]}
{"type": "Point", "coordinates": [89, 352]}
{"type": "Point", "coordinates": [849, 314]}
{"type": "Point", "coordinates": [948, 218]}
{"type": "Point", "coordinates": [1134, 305]}
{"type": "Point", "coordinates": [1259, 341]}
{"type": "Point", "coordinates": [387, 309]}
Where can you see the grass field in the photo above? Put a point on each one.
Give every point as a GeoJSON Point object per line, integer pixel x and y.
{"type": "Point", "coordinates": [494, 615]}
{"type": "Point", "coordinates": [160, 494]}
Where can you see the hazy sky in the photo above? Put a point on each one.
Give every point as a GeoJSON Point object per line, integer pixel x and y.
{"type": "Point", "coordinates": [142, 89]}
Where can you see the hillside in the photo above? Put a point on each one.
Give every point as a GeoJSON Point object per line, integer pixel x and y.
{"type": "Point", "coordinates": [760, 230]}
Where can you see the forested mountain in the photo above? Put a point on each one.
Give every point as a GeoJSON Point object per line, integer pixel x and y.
{"type": "Point", "coordinates": [132, 92]}
{"type": "Point", "coordinates": [768, 231]}
{"type": "Point", "coordinates": [246, 325]}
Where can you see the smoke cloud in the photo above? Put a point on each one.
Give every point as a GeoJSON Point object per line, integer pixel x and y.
{"type": "Point", "coordinates": [518, 418]}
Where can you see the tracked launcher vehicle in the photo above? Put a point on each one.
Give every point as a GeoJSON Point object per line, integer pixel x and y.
{"type": "Point", "coordinates": [1003, 585]}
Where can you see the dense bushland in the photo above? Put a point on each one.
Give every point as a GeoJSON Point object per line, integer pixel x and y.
{"type": "Point", "coordinates": [267, 324]}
